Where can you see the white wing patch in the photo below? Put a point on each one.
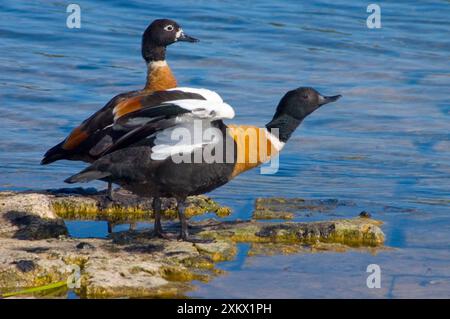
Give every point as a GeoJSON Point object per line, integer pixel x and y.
{"type": "Point", "coordinates": [212, 107]}
{"type": "Point", "coordinates": [182, 138]}
{"type": "Point", "coordinates": [187, 136]}
{"type": "Point", "coordinates": [207, 94]}
{"type": "Point", "coordinates": [206, 109]}
{"type": "Point", "coordinates": [187, 133]}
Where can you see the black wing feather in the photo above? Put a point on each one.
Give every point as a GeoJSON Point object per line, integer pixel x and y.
{"type": "Point", "coordinates": [150, 121]}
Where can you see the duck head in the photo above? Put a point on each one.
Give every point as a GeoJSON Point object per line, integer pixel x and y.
{"type": "Point", "coordinates": [294, 107]}
{"type": "Point", "coordinates": [158, 35]}
{"type": "Point", "coordinates": [301, 102]}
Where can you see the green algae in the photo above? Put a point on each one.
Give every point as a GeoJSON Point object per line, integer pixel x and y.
{"type": "Point", "coordinates": [199, 262]}
{"type": "Point", "coordinates": [288, 208]}
{"type": "Point", "coordinates": [133, 264]}
{"type": "Point", "coordinates": [179, 273]}
{"type": "Point", "coordinates": [268, 214]}
{"type": "Point", "coordinates": [352, 232]}
{"type": "Point", "coordinates": [218, 251]}
{"type": "Point", "coordinates": [89, 208]}
{"type": "Point", "coordinates": [13, 279]}
{"type": "Point", "coordinates": [34, 290]}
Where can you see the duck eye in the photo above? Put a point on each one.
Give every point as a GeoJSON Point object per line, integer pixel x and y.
{"type": "Point", "coordinates": [168, 27]}
{"type": "Point", "coordinates": [305, 96]}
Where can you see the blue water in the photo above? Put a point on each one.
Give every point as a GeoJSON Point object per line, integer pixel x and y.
{"type": "Point", "coordinates": [385, 146]}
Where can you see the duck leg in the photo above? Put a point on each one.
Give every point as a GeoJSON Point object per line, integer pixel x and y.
{"type": "Point", "coordinates": [107, 201]}
{"type": "Point", "coordinates": [184, 233]}
{"type": "Point", "coordinates": [181, 206]}
{"type": "Point", "coordinates": [110, 227]}
{"type": "Point", "coordinates": [158, 230]}
{"type": "Point", "coordinates": [110, 192]}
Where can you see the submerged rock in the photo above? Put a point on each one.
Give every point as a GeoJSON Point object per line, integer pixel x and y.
{"type": "Point", "coordinates": [288, 208]}
{"type": "Point", "coordinates": [270, 214]}
{"type": "Point", "coordinates": [351, 232]}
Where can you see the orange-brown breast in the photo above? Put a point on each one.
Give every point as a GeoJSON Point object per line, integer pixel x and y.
{"type": "Point", "coordinates": [253, 147]}
{"type": "Point", "coordinates": [160, 78]}
{"type": "Point", "coordinates": [76, 137]}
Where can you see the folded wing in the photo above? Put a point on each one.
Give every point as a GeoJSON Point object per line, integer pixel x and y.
{"type": "Point", "coordinates": [164, 123]}
{"type": "Point", "coordinates": [155, 127]}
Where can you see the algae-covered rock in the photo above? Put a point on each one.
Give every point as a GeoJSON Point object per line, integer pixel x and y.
{"type": "Point", "coordinates": [34, 215]}
{"type": "Point", "coordinates": [140, 266]}
{"type": "Point", "coordinates": [270, 249]}
{"type": "Point", "coordinates": [218, 251]}
{"type": "Point", "coordinates": [128, 207]}
{"type": "Point", "coordinates": [352, 232]}
{"type": "Point", "coordinates": [134, 263]}
{"type": "Point", "coordinates": [269, 214]}
{"type": "Point", "coordinates": [288, 208]}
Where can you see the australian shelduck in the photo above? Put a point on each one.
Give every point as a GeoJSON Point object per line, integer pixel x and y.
{"type": "Point", "coordinates": [87, 141]}
{"type": "Point", "coordinates": [176, 145]}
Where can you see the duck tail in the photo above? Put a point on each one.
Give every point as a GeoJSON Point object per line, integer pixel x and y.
{"type": "Point", "coordinates": [54, 154]}
{"type": "Point", "coordinates": [87, 175]}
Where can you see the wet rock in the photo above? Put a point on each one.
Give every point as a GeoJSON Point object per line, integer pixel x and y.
{"type": "Point", "coordinates": [351, 232]}
{"type": "Point", "coordinates": [218, 251]}
{"type": "Point", "coordinates": [33, 215]}
{"type": "Point", "coordinates": [135, 264]}
{"type": "Point", "coordinates": [270, 214]}
{"type": "Point", "coordinates": [127, 207]}
{"type": "Point", "coordinates": [29, 216]}
{"type": "Point", "coordinates": [109, 269]}
{"type": "Point", "coordinates": [288, 208]}
{"type": "Point", "coordinates": [270, 249]}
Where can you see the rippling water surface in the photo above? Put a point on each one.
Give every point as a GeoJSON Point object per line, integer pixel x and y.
{"type": "Point", "coordinates": [385, 146]}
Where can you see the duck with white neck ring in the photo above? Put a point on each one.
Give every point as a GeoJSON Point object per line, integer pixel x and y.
{"type": "Point", "coordinates": [158, 35]}
{"type": "Point", "coordinates": [87, 141]}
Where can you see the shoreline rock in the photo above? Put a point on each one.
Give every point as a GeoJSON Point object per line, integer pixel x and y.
{"type": "Point", "coordinates": [29, 216]}
{"type": "Point", "coordinates": [132, 263]}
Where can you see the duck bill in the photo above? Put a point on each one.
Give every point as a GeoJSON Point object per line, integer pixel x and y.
{"type": "Point", "coordinates": [186, 38]}
{"type": "Point", "coordinates": [328, 99]}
